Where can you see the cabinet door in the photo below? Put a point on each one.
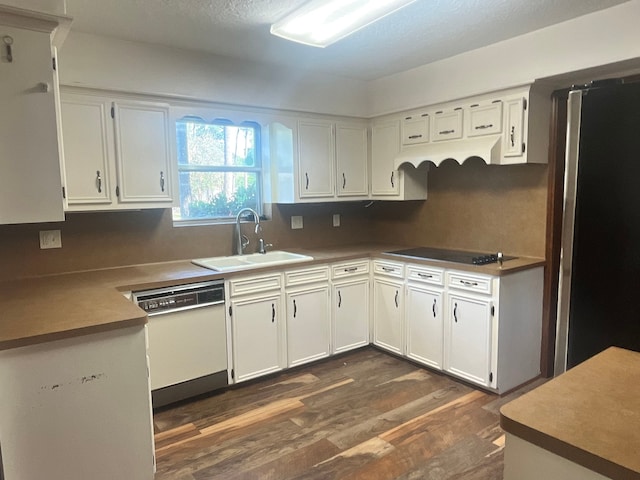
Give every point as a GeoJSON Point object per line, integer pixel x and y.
{"type": "Point", "coordinates": [350, 315]}
{"type": "Point", "coordinates": [30, 182]}
{"type": "Point", "coordinates": [514, 125]}
{"type": "Point", "coordinates": [424, 325]}
{"type": "Point", "coordinates": [256, 336]}
{"type": "Point", "coordinates": [415, 129]}
{"type": "Point", "coordinates": [308, 324]}
{"type": "Point", "coordinates": [385, 145]}
{"type": "Point", "coordinates": [468, 338]}
{"type": "Point", "coordinates": [142, 151]}
{"type": "Point", "coordinates": [485, 119]}
{"type": "Point", "coordinates": [315, 159]}
{"type": "Point", "coordinates": [447, 125]}
{"type": "Point", "coordinates": [387, 314]}
{"type": "Point", "coordinates": [351, 160]}
{"type": "Point", "coordinates": [88, 148]}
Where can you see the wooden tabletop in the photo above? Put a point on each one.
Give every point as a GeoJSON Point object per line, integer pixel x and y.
{"type": "Point", "coordinates": [589, 415]}
{"type": "Point", "coordinates": [41, 309]}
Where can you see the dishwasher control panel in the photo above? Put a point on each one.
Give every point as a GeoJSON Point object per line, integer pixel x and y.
{"type": "Point", "coordinates": [179, 298]}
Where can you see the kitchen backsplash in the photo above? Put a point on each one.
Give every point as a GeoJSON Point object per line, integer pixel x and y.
{"type": "Point", "coordinates": [470, 207]}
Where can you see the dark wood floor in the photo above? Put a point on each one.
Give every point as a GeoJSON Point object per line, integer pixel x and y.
{"type": "Point", "coordinates": [363, 415]}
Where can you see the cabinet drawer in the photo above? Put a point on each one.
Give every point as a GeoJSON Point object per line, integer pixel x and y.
{"type": "Point", "coordinates": [485, 119]}
{"type": "Point", "coordinates": [350, 269]}
{"type": "Point", "coordinates": [415, 129]}
{"type": "Point", "coordinates": [391, 269]}
{"type": "Point", "coordinates": [469, 282]}
{"type": "Point", "coordinates": [246, 285]}
{"type": "Point", "coordinates": [306, 275]}
{"type": "Point", "coordinates": [447, 125]}
{"type": "Point", "coordinates": [434, 276]}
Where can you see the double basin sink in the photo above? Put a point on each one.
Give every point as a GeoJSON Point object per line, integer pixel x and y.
{"type": "Point", "coordinates": [249, 261]}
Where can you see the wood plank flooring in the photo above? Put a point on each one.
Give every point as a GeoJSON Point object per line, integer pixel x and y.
{"type": "Point", "coordinates": [363, 415]}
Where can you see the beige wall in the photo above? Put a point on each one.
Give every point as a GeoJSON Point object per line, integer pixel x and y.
{"type": "Point", "coordinates": [472, 207]}
{"type": "Point", "coordinates": [101, 240]}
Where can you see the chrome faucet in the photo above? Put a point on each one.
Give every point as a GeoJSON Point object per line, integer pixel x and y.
{"type": "Point", "coordinates": [242, 241]}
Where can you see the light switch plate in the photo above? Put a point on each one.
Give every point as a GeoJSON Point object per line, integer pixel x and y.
{"type": "Point", "coordinates": [50, 239]}
{"type": "Point", "coordinates": [336, 219]}
{"type": "Point", "coordinates": [296, 222]}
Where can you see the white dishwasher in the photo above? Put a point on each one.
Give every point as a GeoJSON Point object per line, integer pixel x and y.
{"type": "Point", "coordinates": [187, 340]}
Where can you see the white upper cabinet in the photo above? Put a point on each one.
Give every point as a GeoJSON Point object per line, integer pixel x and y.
{"type": "Point", "coordinates": [351, 160]}
{"type": "Point", "coordinates": [116, 153]}
{"type": "Point", "coordinates": [315, 159]}
{"type": "Point", "coordinates": [30, 181]}
{"type": "Point", "coordinates": [484, 119]}
{"type": "Point", "coordinates": [142, 151]}
{"type": "Point", "coordinates": [447, 124]}
{"type": "Point", "coordinates": [415, 128]}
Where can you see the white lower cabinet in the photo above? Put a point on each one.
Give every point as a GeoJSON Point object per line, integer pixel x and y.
{"type": "Point", "coordinates": [468, 338]}
{"type": "Point", "coordinates": [255, 316]}
{"type": "Point", "coordinates": [424, 324]}
{"type": "Point", "coordinates": [307, 324]}
{"type": "Point", "coordinates": [350, 298]}
{"type": "Point", "coordinates": [388, 305]}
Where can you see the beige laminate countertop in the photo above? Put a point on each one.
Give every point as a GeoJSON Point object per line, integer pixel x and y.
{"type": "Point", "coordinates": [589, 415]}
{"type": "Point", "coordinates": [42, 309]}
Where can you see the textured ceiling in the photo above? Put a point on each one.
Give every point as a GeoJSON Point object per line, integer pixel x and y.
{"type": "Point", "coordinates": [423, 32]}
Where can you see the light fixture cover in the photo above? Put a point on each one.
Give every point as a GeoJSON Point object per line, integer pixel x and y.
{"type": "Point", "coordinates": [319, 23]}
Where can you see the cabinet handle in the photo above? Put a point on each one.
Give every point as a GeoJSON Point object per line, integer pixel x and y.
{"type": "Point", "coordinates": [396, 298]}
{"type": "Point", "coordinates": [8, 41]}
{"type": "Point", "coordinates": [513, 136]}
{"type": "Point", "coordinates": [295, 309]}
{"type": "Point", "coordinates": [388, 269]}
{"type": "Point", "coordinates": [469, 284]}
{"type": "Point", "coordinates": [434, 308]}
{"type": "Point", "coordinates": [273, 313]}
{"type": "Point", "coordinates": [392, 184]}
{"type": "Point", "coordinates": [344, 181]}
{"type": "Point", "coordinates": [339, 299]}
{"type": "Point", "coordinates": [482, 127]}
{"type": "Point", "coordinates": [351, 269]}
{"type": "Point", "coordinates": [425, 275]}
{"type": "Point", "coordinates": [99, 181]}
{"type": "Point", "coordinates": [455, 312]}
{"type": "Point", "coordinates": [413, 137]}
{"type": "Point", "coordinates": [162, 181]}
{"type": "Point", "coordinates": [446, 132]}
{"type": "Point", "coordinates": [306, 176]}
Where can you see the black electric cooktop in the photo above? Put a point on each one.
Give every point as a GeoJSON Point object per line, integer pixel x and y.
{"type": "Point", "coordinates": [457, 256]}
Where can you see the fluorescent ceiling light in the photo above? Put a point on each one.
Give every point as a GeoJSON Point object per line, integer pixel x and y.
{"type": "Point", "coordinates": [322, 22]}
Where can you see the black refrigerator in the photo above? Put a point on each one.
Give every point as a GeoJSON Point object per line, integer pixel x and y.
{"type": "Point", "coordinates": [600, 282]}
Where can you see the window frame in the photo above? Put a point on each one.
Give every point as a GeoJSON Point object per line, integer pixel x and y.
{"type": "Point", "coordinates": [256, 169]}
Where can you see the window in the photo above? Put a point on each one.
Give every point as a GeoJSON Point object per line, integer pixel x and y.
{"type": "Point", "coordinates": [219, 169]}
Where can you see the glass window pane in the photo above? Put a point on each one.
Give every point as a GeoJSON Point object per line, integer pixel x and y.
{"type": "Point", "coordinates": [215, 144]}
{"type": "Point", "coordinates": [216, 194]}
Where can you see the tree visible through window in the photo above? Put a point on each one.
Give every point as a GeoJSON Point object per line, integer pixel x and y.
{"type": "Point", "coordinates": [219, 169]}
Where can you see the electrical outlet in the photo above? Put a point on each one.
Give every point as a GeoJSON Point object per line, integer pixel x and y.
{"type": "Point", "coordinates": [50, 239]}
{"type": "Point", "coordinates": [296, 222]}
{"type": "Point", "coordinates": [336, 219]}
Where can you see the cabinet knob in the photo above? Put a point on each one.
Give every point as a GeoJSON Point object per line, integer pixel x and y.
{"type": "Point", "coordinates": [8, 41]}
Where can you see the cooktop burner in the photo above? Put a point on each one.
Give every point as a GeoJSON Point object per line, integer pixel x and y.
{"type": "Point", "coordinates": [457, 256]}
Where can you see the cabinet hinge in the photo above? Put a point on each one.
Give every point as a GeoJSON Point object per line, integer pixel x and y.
{"type": "Point", "coordinates": [491, 377]}
{"type": "Point", "coordinates": [524, 147]}
{"type": "Point", "coordinates": [113, 112]}
{"type": "Point", "coordinates": [64, 193]}
{"type": "Point", "coordinates": [230, 314]}
{"type": "Point", "coordinates": [117, 190]}
{"type": "Point", "coordinates": [524, 103]}
{"type": "Point", "coordinates": [493, 311]}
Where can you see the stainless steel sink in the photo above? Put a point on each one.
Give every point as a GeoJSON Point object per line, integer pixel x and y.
{"type": "Point", "coordinates": [253, 260]}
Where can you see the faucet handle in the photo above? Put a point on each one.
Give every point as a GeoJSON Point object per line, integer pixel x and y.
{"type": "Point", "coordinates": [262, 247]}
